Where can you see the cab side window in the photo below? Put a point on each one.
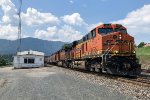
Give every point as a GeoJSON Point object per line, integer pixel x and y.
{"type": "Point", "coordinates": [93, 33]}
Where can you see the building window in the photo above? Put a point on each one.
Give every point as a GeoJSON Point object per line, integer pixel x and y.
{"type": "Point", "coordinates": [30, 60]}
{"type": "Point", "coordinates": [25, 60]}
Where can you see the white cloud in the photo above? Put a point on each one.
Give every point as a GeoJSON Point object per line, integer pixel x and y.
{"type": "Point", "coordinates": [10, 12]}
{"type": "Point", "coordinates": [34, 17]}
{"type": "Point", "coordinates": [9, 22]}
{"type": "Point", "coordinates": [1, 2]}
{"type": "Point", "coordinates": [66, 34]}
{"type": "Point", "coordinates": [138, 21]}
{"type": "Point", "coordinates": [8, 32]}
{"type": "Point", "coordinates": [73, 19]}
{"type": "Point", "coordinates": [92, 26]}
{"type": "Point", "coordinates": [5, 19]}
{"type": "Point", "coordinates": [71, 1]}
{"type": "Point", "coordinates": [31, 17]}
{"type": "Point", "coordinates": [48, 34]}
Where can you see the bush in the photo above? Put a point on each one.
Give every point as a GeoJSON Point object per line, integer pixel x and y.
{"type": "Point", "coordinates": [141, 45]}
{"type": "Point", "coordinates": [3, 62]}
{"type": "Point", "coordinates": [66, 47]}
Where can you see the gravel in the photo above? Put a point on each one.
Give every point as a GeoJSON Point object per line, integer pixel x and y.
{"type": "Point", "coordinates": [135, 91]}
{"type": "Point", "coordinates": [53, 83]}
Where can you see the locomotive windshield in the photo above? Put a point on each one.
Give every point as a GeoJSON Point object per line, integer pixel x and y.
{"type": "Point", "coordinates": [110, 30]}
{"type": "Point", "coordinates": [121, 30]}
{"type": "Point", "coordinates": [105, 30]}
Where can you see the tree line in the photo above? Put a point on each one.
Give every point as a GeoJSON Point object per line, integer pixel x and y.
{"type": "Point", "coordinates": [6, 59]}
{"type": "Point", "coordinates": [141, 44]}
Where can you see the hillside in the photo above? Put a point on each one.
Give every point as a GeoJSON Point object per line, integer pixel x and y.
{"type": "Point", "coordinates": [48, 47]}
{"type": "Point", "coordinates": [144, 55]}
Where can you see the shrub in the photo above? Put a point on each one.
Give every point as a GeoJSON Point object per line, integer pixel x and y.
{"type": "Point", "coordinates": [3, 62]}
{"type": "Point", "coordinates": [141, 45]}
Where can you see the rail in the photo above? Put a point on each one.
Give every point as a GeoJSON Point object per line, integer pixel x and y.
{"type": "Point", "coordinates": [142, 81]}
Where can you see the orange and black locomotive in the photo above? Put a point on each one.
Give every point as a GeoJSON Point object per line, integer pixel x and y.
{"type": "Point", "coordinates": [107, 48]}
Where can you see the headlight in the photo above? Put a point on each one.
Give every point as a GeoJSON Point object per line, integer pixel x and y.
{"type": "Point", "coordinates": [116, 51]}
{"type": "Point", "coordinates": [134, 52]}
{"type": "Point", "coordinates": [120, 36]}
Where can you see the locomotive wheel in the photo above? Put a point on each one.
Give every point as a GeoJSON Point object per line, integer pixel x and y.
{"type": "Point", "coordinates": [87, 66]}
{"type": "Point", "coordinates": [71, 65]}
{"type": "Point", "coordinates": [100, 70]}
{"type": "Point", "coordinates": [92, 69]}
{"type": "Point", "coordinates": [68, 66]}
{"type": "Point", "coordinates": [63, 64]}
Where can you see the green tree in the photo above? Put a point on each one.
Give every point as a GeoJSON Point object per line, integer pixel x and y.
{"type": "Point", "coordinates": [141, 45]}
{"type": "Point", "coordinates": [66, 46]}
{"type": "Point", "coordinates": [3, 62]}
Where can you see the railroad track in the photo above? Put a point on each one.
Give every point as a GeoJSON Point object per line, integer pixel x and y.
{"type": "Point", "coordinates": [143, 80]}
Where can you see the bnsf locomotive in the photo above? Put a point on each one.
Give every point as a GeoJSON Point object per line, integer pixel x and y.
{"type": "Point", "coordinates": [107, 48]}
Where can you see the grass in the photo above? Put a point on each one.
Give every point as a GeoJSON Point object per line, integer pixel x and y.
{"type": "Point", "coordinates": [143, 51]}
{"type": "Point", "coordinates": [144, 55]}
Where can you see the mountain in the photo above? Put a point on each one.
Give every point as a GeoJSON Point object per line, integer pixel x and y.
{"type": "Point", "coordinates": [48, 47]}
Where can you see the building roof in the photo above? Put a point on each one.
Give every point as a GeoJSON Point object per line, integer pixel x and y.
{"type": "Point", "coordinates": [30, 52]}
{"type": "Point", "coordinates": [147, 45]}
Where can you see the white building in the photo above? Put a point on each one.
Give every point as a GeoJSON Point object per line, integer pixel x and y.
{"type": "Point", "coordinates": [27, 59]}
{"type": "Point", "coordinates": [147, 45]}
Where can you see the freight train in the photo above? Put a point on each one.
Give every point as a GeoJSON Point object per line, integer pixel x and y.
{"type": "Point", "coordinates": [107, 48]}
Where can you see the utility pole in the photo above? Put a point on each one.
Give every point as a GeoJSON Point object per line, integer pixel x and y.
{"type": "Point", "coordinates": [19, 27]}
{"type": "Point", "coordinates": [19, 33]}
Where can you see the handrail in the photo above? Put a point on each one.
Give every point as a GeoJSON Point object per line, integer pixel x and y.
{"type": "Point", "coordinates": [108, 50]}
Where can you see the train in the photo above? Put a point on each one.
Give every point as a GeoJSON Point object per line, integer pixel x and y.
{"type": "Point", "coordinates": [107, 48]}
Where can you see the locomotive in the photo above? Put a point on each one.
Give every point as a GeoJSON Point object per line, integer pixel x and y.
{"type": "Point", "coordinates": [108, 48]}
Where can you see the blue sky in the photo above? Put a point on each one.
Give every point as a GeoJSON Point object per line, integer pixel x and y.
{"type": "Point", "coordinates": [68, 20]}
{"type": "Point", "coordinates": [92, 11]}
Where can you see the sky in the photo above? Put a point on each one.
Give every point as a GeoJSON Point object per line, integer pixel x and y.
{"type": "Point", "coordinates": [69, 20]}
